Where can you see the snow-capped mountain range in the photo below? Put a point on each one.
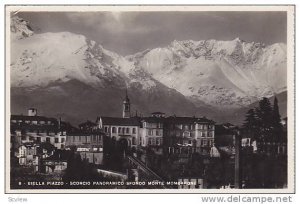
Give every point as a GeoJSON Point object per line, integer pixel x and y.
{"type": "Point", "coordinates": [216, 74]}
{"type": "Point", "coordinates": [220, 73]}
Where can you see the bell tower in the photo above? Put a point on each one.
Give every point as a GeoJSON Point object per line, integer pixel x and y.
{"type": "Point", "coordinates": [126, 106]}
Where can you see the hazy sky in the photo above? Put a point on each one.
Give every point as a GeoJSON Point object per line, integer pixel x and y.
{"type": "Point", "coordinates": [131, 32]}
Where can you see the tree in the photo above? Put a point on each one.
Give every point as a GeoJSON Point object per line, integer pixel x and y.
{"type": "Point", "coordinates": [264, 114]}
{"type": "Point", "coordinates": [250, 118]}
{"type": "Point", "coordinates": [251, 124]}
{"type": "Point", "coordinates": [276, 118]}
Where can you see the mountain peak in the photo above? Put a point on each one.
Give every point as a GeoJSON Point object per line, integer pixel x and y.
{"type": "Point", "coordinates": [20, 28]}
{"type": "Point", "coordinates": [237, 39]}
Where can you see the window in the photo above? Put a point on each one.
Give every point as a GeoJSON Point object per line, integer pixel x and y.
{"type": "Point", "coordinates": [157, 132]}
{"type": "Point", "coordinates": [78, 138]}
{"type": "Point", "coordinates": [133, 130]}
{"type": "Point", "coordinates": [62, 140]}
{"type": "Point", "coordinates": [157, 141]}
{"type": "Point", "coordinates": [119, 130]}
{"type": "Point", "coordinates": [38, 139]}
{"type": "Point", "coordinates": [113, 129]}
{"type": "Point", "coordinates": [187, 134]}
{"type": "Point", "coordinates": [150, 132]}
{"type": "Point", "coordinates": [133, 141]}
{"type": "Point", "coordinates": [201, 127]}
{"type": "Point", "coordinates": [56, 140]}
{"type": "Point", "coordinates": [209, 134]}
{"type": "Point", "coordinates": [47, 139]}
{"type": "Point", "coordinates": [127, 130]}
{"type": "Point", "coordinates": [105, 129]}
{"type": "Point", "coordinates": [88, 138]}
{"type": "Point", "coordinates": [145, 124]}
{"type": "Point", "coordinates": [149, 141]}
{"type": "Point", "coordinates": [178, 126]}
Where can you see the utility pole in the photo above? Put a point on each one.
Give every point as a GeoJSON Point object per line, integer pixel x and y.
{"type": "Point", "coordinates": [237, 162]}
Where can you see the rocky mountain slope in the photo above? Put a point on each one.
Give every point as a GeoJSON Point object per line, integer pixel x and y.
{"type": "Point", "coordinates": [221, 73]}
{"type": "Point", "coordinates": [68, 73]}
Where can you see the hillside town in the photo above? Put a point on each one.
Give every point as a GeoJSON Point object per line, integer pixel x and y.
{"type": "Point", "coordinates": [155, 151]}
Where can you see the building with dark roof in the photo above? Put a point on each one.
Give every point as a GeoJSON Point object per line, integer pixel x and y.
{"type": "Point", "coordinates": [152, 131]}
{"type": "Point", "coordinates": [87, 141]}
{"type": "Point", "coordinates": [189, 134]}
{"type": "Point", "coordinates": [158, 114]}
{"type": "Point", "coordinates": [172, 133]}
{"type": "Point", "coordinates": [87, 126]}
{"type": "Point", "coordinates": [196, 134]}
{"type": "Point", "coordinates": [37, 129]}
{"type": "Point", "coordinates": [125, 129]}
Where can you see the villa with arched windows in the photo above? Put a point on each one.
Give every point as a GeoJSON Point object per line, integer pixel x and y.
{"type": "Point", "coordinates": [125, 129]}
{"type": "Point", "coordinates": [173, 133]}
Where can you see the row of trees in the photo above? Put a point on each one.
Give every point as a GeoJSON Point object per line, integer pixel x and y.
{"type": "Point", "coordinates": [263, 123]}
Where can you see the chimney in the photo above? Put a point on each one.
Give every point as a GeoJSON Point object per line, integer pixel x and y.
{"type": "Point", "coordinates": [32, 112]}
{"type": "Point", "coordinates": [59, 123]}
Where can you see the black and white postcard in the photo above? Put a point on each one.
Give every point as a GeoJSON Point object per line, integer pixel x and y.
{"type": "Point", "coordinates": [149, 99]}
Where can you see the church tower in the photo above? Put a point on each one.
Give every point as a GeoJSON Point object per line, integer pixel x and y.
{"type": "Point", "coordinates": [126, 106]}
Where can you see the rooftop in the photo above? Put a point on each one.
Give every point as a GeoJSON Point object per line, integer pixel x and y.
{"type": "Point", "coordinates": [59, 155]}
{"type": "Point", "coordinates": [135, 121]}
{"type": "Point", "coordinates": [88, 123]}
{"type": "Point", "coordinates": [158, 113]}
{"type": "Point", "coordinates": [187, 120]}
{"type": "Point", "coordinates": [31, 118]}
